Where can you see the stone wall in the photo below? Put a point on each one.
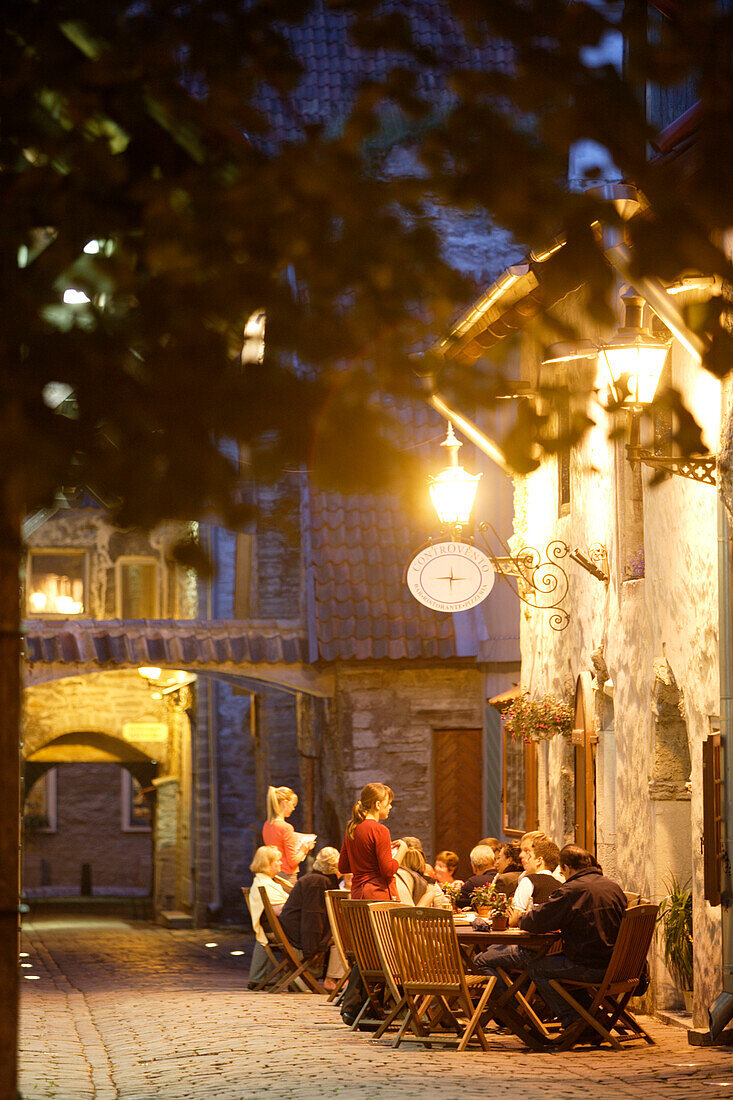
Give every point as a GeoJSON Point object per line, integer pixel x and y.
{"type": "Point", "coordinates": [382, 726]}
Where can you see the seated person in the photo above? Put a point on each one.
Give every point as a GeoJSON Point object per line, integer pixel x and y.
{"type": "Point", "coordinates": [484, 872]}
{"type": "Point", "coordinates": [538, 881]}
{"type": "Point", "coordinates": [413, 885]}
{"type": "Point", "coordinates": [587, 909]}
{"type": "Point", "coordinates": [445, 865]}
{"type": "Point", "coordinates": [493, 842]}
{"type": "Point", "coordinates": [265, 865]}
{"type": "Point", "coordinates": [525, 845]}
{"type": "Point", "coordinates": [304, 918]}
{"type": "Point", "coordinates": [509, 866]}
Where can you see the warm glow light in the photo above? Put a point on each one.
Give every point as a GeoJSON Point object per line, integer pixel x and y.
{"type": "Point", "coordinates": [148, 672]}
{"type": "Point", "coordinates": [75, 297]}
{"type": "Point", "coordinates": [453, 490]}
{"type": "Point", "coordinates": [37, 601]}
{"type": "Point", "coordinates": [634, 357]}
{"type": "Point", "coordinates": [635, 367]}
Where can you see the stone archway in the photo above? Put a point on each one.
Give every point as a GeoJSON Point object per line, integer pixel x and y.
{"type": "Point", "coordinates": [94, 725]}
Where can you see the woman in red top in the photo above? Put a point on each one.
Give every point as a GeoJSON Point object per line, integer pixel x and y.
{"type": "Point", "coordinates": [367, 849]}
{"type": "Point", "coordinates": [280, 834]}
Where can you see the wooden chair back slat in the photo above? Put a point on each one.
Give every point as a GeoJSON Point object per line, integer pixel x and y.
{"type": "Point", "coordinates": [427, 949]}
{"type": "Point", "coordinates": [362, 937]}
{"type": "Point", "coordinates": [333, 899]}
{"type": "Point", "coordinates": [339, 924]}
{"type": "Point", "coordinates": [632, 944]}
{"type": "Point", "coordinates": [276, 928]}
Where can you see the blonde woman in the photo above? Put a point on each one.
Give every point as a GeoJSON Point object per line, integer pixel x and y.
{"type": "Point", "coordinates": [279, 833]}
{"type": "Point", "coordinates": [413, 885]}
{"type": "Point", "coordinates": [264, 866]}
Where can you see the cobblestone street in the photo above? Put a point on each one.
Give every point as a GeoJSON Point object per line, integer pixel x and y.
{"type": "Point", "coordinates": [136, 1012]}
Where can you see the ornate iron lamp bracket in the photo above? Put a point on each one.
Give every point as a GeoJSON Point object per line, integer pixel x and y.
{"type": "Point", "coordinates": [696, 467]}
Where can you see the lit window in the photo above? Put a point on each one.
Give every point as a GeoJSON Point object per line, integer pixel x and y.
{"type": "Point", "coordinates": [55, 582]}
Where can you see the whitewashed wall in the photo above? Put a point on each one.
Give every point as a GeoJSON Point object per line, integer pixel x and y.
{"type": "Point", "coordinates": [669, 617]}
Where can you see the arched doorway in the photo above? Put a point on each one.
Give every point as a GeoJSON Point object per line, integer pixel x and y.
{"type": "Point", "coordinates": [88, 819]}
{"type": "Point", "coordinates": [584, 741]}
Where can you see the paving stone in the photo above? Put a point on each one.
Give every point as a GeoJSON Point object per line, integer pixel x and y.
{"type": "Point", "coordinates": [137, 1012]}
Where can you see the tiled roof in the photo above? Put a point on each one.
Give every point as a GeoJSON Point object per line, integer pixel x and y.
{"type": "Point", "coordinates": [167, 642]}
{"type": "Point", "coordinates": [333, 67]}
{"type": "Point", "coordinates": [362, 607]}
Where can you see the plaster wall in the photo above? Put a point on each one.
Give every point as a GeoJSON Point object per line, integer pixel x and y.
{"type": "Point", "coordinates": [88, 529]}
{"type": "Point", "coordinates": [644, 832]}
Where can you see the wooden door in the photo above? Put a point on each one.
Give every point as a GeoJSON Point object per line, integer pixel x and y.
{"type": "Point", "coordinates": [584, 742]}
{"type": "Point", "coordinates": [458, 793]}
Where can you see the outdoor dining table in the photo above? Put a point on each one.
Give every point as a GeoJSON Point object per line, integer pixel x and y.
{"type": "Point", "coordinates": [508, 1005]}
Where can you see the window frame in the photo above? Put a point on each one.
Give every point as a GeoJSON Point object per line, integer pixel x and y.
{"type": "Point", "coordinates": [126, 793]}
{"type": "Point", "coordinates": [139, 559]}
{"type": "Point", "coordinates": [531, 800]}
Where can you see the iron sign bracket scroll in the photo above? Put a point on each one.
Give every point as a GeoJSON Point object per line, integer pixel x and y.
{"type": "Point", "coordinates": [541, 581]}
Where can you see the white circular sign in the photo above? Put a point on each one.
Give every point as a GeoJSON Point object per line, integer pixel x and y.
{"type": "Point", "coordinates": [450, 576]}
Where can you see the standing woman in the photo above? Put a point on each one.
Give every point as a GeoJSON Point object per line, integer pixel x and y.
{"type": "Point", "coordinates": [367, 850]}
{"type": "Point", "coordinates": [280, 834]}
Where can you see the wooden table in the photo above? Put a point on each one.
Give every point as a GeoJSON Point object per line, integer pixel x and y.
{"type": "Point", "coordinates": [508, 1006]}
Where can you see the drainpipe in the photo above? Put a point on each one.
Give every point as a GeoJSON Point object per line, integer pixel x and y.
{"type": "Point", "coordinates": [213, 759]}
{"type": "Point", "coordinates": [721, 1012]}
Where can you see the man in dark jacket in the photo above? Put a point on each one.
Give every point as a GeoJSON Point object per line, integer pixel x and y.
{"type": "Point", "coordinates": [304, 919]}
{"type": "Point", "coordinates": [587, 909]}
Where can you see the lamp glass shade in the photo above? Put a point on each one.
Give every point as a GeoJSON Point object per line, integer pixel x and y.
{"type": "Point", "coordinates": [637, 362]}
{"type": "Point", "coordinates": [453, 492]}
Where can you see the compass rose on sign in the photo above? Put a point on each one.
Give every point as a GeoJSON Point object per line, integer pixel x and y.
{"type": "Point", "coordinates": [450, 576]}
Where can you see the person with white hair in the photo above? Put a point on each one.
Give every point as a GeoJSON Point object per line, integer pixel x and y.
{"type": "Point", "coordinates": [304, 918]}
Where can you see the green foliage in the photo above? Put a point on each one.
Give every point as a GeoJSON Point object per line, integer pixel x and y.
{"type": "Point", "coordinates": [674, 920]}
{"type": "Point", "coordinates": [538, 718]}
{"type": "Point", "coordinates": [143, 128]}
{"type": "Point", "coordinates": [498, 903]}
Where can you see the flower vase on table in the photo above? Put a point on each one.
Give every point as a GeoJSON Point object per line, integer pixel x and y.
{"type": "Point", "coordinates": [499, 924]}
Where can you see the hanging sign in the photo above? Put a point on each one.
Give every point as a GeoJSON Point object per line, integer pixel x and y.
{"type": "Point", "coordinates": [450, 576]}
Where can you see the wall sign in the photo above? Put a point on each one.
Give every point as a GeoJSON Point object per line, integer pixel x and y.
{"type": "Point", "coordinates": [450, 576]}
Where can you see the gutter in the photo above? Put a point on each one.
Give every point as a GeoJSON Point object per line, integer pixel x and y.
{"type": "Point", "coordinates": [721, 1012]}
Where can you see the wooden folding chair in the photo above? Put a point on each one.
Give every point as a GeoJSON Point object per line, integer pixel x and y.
{"type": "Point", "coordinates": [610, 996]}
{"type": "Point", "coordinates": [279, 965]}
{"type": "Point", "coordinates": [295, 969]}
{"type": "Point", "coordinates": [430, 967]}
{"type": "Point", "coordinates": [366, 953]}
{"type": "Point", "coordinates": [339, 934]}
{"type": "Point", "coordinates": [381, 923]}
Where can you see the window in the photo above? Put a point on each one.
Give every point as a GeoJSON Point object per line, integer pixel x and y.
{"type": "Point", "coordinates": [56, 582]}
{"type": "Point", "coordinates": [137, 814]}
{"type": "Point", "coordinates": [520, 786]}
{"type": "Point", "coordinates": [40, 812]}
{"type": "Point", "coordinates": [137, 588]}
{"type": "Point", "coordinates": [243, 576]}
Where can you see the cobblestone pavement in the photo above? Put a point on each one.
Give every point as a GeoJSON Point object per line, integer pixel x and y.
{"type": "Point", "coordinates": [128, 1011]}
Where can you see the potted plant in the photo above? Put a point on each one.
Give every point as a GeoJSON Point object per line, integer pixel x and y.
{"type": "Point", "coordinates": [538, 718]}
{"type": "Point", "coordinates": [675, 922]}
{"type": "Point", "coordinates": [488, 903]}
{"type": "Point", "coordinates": [451, 891]}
